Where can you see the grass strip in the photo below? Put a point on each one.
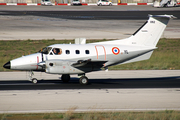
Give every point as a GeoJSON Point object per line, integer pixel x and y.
{"type": "Point", "coordinates": [71, 115]}
{"type": "Point", "coordinates": [166, 57]}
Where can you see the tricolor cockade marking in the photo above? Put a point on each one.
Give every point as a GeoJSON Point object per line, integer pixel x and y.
{"type": "Point", "coordinates": [115, 50]}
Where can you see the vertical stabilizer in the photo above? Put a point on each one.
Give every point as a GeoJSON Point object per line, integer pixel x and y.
{"type": "Point", "coordinates": [150, 32]}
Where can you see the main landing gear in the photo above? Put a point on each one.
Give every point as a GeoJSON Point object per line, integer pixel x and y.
{"type": "Point", "coordinates": [65, 78]}
{"type": "Point", "coordinates": [33, 80]}
{"type": "Point", "coordinates": [83, 79]}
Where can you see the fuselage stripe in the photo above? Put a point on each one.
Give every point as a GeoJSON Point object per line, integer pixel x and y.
{"type": "Point", "coordinates": [37, 62]}
{"type": "Point", "coordinates": [104, 51]}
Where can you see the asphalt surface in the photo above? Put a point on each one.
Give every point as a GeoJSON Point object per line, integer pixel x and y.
{"type": "Point", "coordinates": [87, 8]}
{"type": "Point", "coordinates": [89, 12]}
{"type": "Point", "coordinates": [70, 22]}
{"type": "Point", "coordinates": [92, 15]}
{"type": "Point", "coordinates": [130, 79]}
{"type": "Point", "coordinates": [172, 82]}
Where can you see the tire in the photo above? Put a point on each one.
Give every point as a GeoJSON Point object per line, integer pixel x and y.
{"type": "Point", "coordinates": [83, 80]}
{"type": "Point", "coordinates": [34, 80]}
{"type": "Point", "coordinates": [65, 78]}
{"type": "Point", "coordinates": [165, 5]}
{"type": "Point", "coordinates": [110, 4]}
{"type": "Point", "coordinates": [100, 4]}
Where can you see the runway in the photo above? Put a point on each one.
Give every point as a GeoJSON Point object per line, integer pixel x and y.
{"type": "Point", "coordinates": [92, 15]}
{"type": "Point", "coordinates": [108, 91]}
{"type": "Point", "coordinates": [89, 12]}
{"type": "Point", "coordinates": [123, 80]}
{"type": "Point", "coordinates": [136, 90]}
{"type": "Point", "coordinates": [90, 22]}
{"type": "Point", "coordinates": [84, 100]}
{"type": "Point", "coordinates": [172, 82]}
{"type": "Point", "coordinates": [97, 80]}
{"type": "Point", "coordinates": [86, 8]}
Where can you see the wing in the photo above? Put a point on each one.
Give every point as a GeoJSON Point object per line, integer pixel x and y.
{"type": "Point", "coordinates": [88, 64]}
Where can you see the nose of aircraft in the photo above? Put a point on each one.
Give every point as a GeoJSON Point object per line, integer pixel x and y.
{"type": "Point", "coordinates": [7, 65]}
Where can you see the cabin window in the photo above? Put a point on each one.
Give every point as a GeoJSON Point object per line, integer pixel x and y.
{"type": "Point", "coordinates": [57, 51]}
{"type": "Point", "coordinates": [77, 52]}
{"type": "Point", "coordinates": [67, 52]}
{"type": "Point", "coordinates": [87, 51]}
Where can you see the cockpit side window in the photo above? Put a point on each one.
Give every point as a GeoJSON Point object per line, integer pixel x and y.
{"type": "Point", "coordinates": [57, 51]}
{"type": "Point", "coordinates": [45, 50]}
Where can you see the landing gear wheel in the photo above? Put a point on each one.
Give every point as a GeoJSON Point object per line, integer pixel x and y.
{"type": "Point", "coordinates": [34, 80]}
{"type": "Point", "coordinates": [83, 80]}
{"type": "Point", "coordinates": [65, 78]}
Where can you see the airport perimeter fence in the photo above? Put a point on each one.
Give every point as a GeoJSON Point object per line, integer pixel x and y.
{"type": "Point", "coordinates": [82, 1]}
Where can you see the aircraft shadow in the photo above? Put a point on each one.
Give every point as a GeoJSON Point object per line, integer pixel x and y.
{"type": "Point", "coordinates": [163, 82]}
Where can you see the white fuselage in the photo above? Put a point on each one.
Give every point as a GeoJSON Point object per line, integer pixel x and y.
{"type": "Point", "coordinates": [111, 54]}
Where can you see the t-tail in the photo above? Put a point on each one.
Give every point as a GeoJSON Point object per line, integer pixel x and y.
{"type": "Point", "coordinates": [149, 33]}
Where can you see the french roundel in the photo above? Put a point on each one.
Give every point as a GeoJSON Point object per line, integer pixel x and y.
{"type": "Point", "coordinates": [115, 50]}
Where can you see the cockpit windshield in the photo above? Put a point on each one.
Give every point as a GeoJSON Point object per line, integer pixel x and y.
{"type": "Point", "coordinates": [45, 50]}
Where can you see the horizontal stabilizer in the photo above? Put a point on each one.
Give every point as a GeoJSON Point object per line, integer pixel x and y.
{"type": "Point", "coordinates": [165, 16]}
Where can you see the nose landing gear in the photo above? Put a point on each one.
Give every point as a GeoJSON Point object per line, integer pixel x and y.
{"type": "Point", "coordinates": [33, 80]}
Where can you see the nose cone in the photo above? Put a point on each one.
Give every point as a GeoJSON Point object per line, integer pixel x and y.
{"type": "Point", "coordinates": [7, 65]}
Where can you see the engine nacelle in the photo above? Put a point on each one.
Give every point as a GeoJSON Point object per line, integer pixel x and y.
{"type": "Point", "coordinates": [61, 67]}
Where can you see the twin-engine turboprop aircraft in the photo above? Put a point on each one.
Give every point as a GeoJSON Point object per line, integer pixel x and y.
{"type": "Point", "coordinates": [79, 59]}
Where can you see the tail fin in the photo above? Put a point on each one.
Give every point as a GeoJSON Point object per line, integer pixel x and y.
{"type": "Point", "coordinates": [150, 32]}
